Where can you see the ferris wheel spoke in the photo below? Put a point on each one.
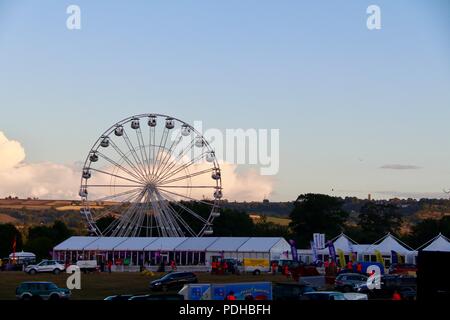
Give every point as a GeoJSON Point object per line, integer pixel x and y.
{"type": "Point", "coordinates": [161, 149]}
{"type": "Point", "coordinates": [157, 217]}
{"type": "Point", "coordinates": [183, 166]}
{"type": "Point", "coordinates": [203, 187]}
{"type": "Point", "coordinates": [111, 209]}
{"type": "Point", "coordinates": [136, 176]}
{"type": "Point", "coordinates": [116, 222]}
{"type": "Point", "coordinates": [125, 158]}
{"type": "Point", "coordinates": [115, 175]}
{"type": "Point", "coordinates": [118, 195]}
{"type": "Point", "coordinates": [161, 189]}
{"type": "Point", "coordinates": [142, 150]}
{"type": "Point", "coordinates": [168, 154]}
{"type": "Point", "coordinates": [176, 217]}
{"type": "Point", "coordinates": [188, 176]}
{"type": "Point", "coordinates": [181, 154]}
{"type": "Point", "coordinates": [125, 220]}
{"type": "Point", "coordinates": [133, 153]}
{"type": "Point", "coordinates": [177, 230]}
{"type": "Point", "coordinates": [179, 204]}
{"type": "Point", "coordinates": [115, 186]}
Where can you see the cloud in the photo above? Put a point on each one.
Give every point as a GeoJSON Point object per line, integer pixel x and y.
{"type": "Point", "coordinates": [11, 153]}
{"type": "Point", "coordinates": [48, 180]}
{"type": "Point", "coordinates": [400, 167]}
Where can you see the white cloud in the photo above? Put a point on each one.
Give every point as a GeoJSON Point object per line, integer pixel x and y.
{"type": "Point", "coordinates": [11, 152]}
{"type": "Point", "coordinates": [400, 167]}
{"type": "Point", "coordinates": [47, 180]}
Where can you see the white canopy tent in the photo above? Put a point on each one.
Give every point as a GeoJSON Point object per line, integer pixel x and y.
{"type": "Point", "coordinates": [438, 243]}
{"type": "Point", "coordinates": [22, 256]}
{"type": "Point", "coordinates": [183, 250]}
{"type": "Point", "coordinates": [386, 245]}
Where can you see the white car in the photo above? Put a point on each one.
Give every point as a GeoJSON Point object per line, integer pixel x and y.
{"type": "Point", "coordinates": [53, 266]}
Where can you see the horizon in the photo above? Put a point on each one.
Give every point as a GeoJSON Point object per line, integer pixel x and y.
{"type": "Point", "coordinates": [359, 111]}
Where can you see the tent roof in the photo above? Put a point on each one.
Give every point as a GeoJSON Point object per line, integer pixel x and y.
{"type": "Point", "coordinates": [134, 244]}
{"type": "Point", "coordinates": [388, 243]}
{"type": "Point", "coordinates": [241, 244]}
{"type": "Point", "coordinates": [261, 244]}
{"type": "Point", "coordinates": [165, 244]}
{"type": "Point", "coordinates": [228, 244]}
{"type": "Point", "coordinates": [75, 243]}
{"type": "Point", "coordinates": [23, 254]}
{"type": "Point", "coordinates": [440, 243]}
{"type": "Point", "coordinates": [196, 244]}
{"type": "Point", "coordinates": [105, 243]}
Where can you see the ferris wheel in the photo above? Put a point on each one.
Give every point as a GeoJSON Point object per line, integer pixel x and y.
{"type": "Point", "coordinates": [151, 175]}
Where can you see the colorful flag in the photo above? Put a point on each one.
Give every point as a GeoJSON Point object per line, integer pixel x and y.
{"type": "Point", "coordinates": [341, 258]}
{"type": "Point", "coordinates": [293, 250]}
{"type": "Point", "coordinates": [314, 252]}
{"type": "Point", "coordinates": [394, 257]}
{"type": "Point", "coordinates": [14, 244]}
{"type": "Point", "coordinates": [332, 250]}
{"type": "Point", "coordinates": [379, 257]}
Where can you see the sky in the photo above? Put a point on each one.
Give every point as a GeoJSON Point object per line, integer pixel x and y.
{"type": "Point", "coordinates": [359, 111]}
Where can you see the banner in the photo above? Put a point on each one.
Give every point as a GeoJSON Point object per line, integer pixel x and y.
{"type": "Point", "coordinates": [332, 251]}
{"type": "Point", "coordinates": [293, 250]}
{"type": "Point", "coordinates": [14, 244]}
{"type": "Point", "coordinates": [353, 255]}
{"type": "Point", "coordinates": [319, 240]}
{"type": "Point", "coordinates": [379, 257]}
{"type": "Point", "coordinates": [341, 258]}
{"type": "Point", "coordinates": [314, 252]}
{"type": "Point", "coordinates": [394, 257]}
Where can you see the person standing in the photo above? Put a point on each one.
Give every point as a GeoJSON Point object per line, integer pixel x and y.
{"type": "Point", "coordinates": [359, 267]}
{"type": "Point", "coordinates": [109, 266]}
{"type": "Point", "coordinates": [274, 268]}
{"type": "Point", "coordinates": [230, 296]}
{"type": "Point", "coordinates": [396, 295]}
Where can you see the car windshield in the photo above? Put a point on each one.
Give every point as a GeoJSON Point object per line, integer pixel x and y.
{"type": "Point", "coordinates": [52, 286]}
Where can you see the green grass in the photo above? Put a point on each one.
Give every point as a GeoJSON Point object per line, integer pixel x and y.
{"type": "Point", "coordinates": [97, 286]}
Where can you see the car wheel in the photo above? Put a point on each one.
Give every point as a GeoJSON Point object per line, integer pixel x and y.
{"type": "Point", "coordinates": [347, 289]}
{"type": "Point", "coordinates": [56, 271]}
{"type": "Point", "coordinates": [54, 297]}
{"type": "Point", "coordinates": [26, 297]}
{"type": "Point", "coordinates": [32, 271]}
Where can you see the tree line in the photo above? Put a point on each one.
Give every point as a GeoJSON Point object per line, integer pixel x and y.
{"type": "Point", "coordinates": [312, 213]}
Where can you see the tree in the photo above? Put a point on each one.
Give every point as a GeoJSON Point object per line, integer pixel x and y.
{"type": "Point", "coordinates": [233, 223]}
{"type": "Point", "coordinates": [8, 233]}
{"type": "Point", "coordinates": [42, 239]}
{"type": "Point", "coordinates": [375, 220]}
{"type": "Point", "coordinates": [427, 229]}
{"type": "Point", "coordinates": [316, 213]}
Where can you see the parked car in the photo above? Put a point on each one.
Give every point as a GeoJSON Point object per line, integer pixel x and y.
{"type": "Point", "coordinates": [290, 291]}
{"type": "Point", "coordinates": [402, 268]}
{"type": "Point", "coordinates": [119, 297]}
{"type": "Point", "coordinates": [41, 290]}
{"type": "Point", "coordinates": [45, 266]}
{"type": "Point", "coordinates": [153, 297]}
{"type": "Point", "coordinates": [173, 280]}
{"type": "Point", "coordinates": [347, 282]}
{"type": "Point", "coordinates": [406, 286]}
{"type": "Point", "coordinates": [324, 295]}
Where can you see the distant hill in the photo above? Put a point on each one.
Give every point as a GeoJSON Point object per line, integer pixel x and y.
{"type": "Point", "coordinates": [29, 212]}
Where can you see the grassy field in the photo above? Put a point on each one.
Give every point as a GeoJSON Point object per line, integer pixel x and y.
{"type": "Point", "coordinates": [97, 286]}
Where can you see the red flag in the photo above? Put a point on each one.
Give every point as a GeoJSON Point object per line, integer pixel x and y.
{"type": "Point", "coordinates": [14, 248]}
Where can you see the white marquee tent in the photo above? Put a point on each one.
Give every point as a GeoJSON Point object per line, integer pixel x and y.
{"type": "Point", "coordinates": [183, 250]}
{"type": "Point", "coordinates": [438, 243]}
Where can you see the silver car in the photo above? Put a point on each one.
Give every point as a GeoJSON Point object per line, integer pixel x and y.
{"type": "Point", "coordinates": [53, 266]}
